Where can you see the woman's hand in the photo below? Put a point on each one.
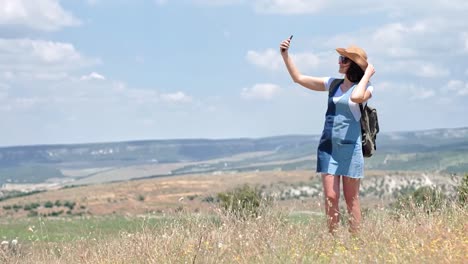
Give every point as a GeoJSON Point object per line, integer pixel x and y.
{"type": "Point", "coordinates": [370, 70]}
{"type": "Point", "coordinates": [284, 46]}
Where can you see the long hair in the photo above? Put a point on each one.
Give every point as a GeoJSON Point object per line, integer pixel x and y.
{"type": "Point", "coordinates": [354, 73]}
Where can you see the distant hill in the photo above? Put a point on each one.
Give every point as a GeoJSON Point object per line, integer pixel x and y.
{"type": "Point", "coordinates": [438, 149]}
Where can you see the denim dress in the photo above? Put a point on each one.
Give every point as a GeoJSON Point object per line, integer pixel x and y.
{"type": "Point", "coordinates": [340, 148]}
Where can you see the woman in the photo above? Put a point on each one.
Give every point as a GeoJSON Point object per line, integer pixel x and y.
{"type": "Point", "coordinates": [339, 155]}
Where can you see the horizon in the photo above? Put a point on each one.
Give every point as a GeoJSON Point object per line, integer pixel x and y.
{"type": "Point", "coordinates": [214, 139]}
{"type": "Point", "coordinates": [77, 72]}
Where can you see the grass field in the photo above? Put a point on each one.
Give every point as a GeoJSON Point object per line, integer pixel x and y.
{"type": "Point", "coordinates": [157, 221]}
{"type": "Point", "coordinates": [273, 237]}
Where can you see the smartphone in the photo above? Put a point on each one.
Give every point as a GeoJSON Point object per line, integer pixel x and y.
{"type": "Point", "coordinates": [282, 50]}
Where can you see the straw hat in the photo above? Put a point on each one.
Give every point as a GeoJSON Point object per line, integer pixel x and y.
{"type": "Point", "coordinates": [355, 54]}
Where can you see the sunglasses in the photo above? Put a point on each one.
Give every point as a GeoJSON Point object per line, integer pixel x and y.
{"type": "Point", "coordinates": [343, 59]}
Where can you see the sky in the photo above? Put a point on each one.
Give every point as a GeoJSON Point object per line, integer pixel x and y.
{"type": "Point", "coordinates": [81, 71]}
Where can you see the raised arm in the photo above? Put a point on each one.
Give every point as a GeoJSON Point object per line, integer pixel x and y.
{"type": "Point", "coordinates": [360, 93]}
{"type": "Point", "coordinates": [313, 83]}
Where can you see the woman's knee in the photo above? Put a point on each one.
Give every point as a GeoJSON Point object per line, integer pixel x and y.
{"type": "Point", "coordinates": [331, 187]}
{"type": "Point", "coordinates": [332, 197]}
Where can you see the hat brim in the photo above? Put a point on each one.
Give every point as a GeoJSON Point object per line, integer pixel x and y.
{"type": "Point", "coordinates": [354, 57]}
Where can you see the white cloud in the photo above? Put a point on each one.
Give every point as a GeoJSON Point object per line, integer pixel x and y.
{"type": "Point", "coordinates": [178, 97]}
{"type": "Point", "coordinates": [263, 91]}
{"type": "Point", "coordinates": [412, 91]}
{"type": "Point", "coordinates": [418, 93]}
{"type": "Point", "coordinates": [306, 61]}
{"type": "Point", "coordinates": [424, 94]}
{"type": "Point", "coordinates": [289, 6]}
{"type": "Point", "coordinates": [26, 57]}
{"type": "Point", "coordinates": [417, 68]}
{"type": "Point", "coordinates": [458, 87]}
{"type": "Point", "coordinates": [45, 15]}
{"type": "Point", "coordinates": [419, 37]}
{"type": "Point", "coordinates": [431, 71]}
{"type": "Point", "coordinates": [396, 32]}
{"type": "Point", "coordinates": [270, 59]}
{"type": "Point", "coordinates": [92, 76]}
{"type": "Point", "coordinates": [391, 8]}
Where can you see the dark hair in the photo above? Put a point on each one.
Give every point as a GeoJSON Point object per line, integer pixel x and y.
{"type": "Point", "coordinates": [354, 73]}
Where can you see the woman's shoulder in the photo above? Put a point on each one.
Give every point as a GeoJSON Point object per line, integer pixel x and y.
{"type": "Point", "coordinates": [329, 80]}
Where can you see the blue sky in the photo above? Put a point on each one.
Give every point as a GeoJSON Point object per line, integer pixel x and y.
{"type": "Point", "coordinates": [102, 70]}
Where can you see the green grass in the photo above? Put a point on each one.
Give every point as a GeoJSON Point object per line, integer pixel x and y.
{"type": "Point", "coordinates": [68, 229]}
{"type": "Point", "coordinates": [71, 229]}
{"type": "Point", "coordinates": [28, 174]}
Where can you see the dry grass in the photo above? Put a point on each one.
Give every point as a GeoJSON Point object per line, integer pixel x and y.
{"type": "Point", "coordinates": [275, 237]}
{"type": "Point", "coordinates": [163, 194]}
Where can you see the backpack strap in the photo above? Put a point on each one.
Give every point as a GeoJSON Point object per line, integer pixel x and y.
{"type": "Point", "coordinates": [334, 86]}
{"type": "Point", "coordinates": [361, 107]}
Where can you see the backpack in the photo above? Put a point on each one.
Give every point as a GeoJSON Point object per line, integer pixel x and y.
{"type": "Point", "coordinates": [369, 123]}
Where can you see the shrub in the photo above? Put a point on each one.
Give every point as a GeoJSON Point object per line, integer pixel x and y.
{"type": "Point", "coordinates": [48, 204]}
{"type": "Point", "coordinates": [427, 198]}
{"type": "Point", "coordinates": [463, 191]}
{"type": "Point", "coordinates": [209, 199]}
{"type": "Point", "coordinates": [242, 202]}
{"type": "Point", "coordinates": [54, 213]}
{"type": "Point", "coordinates": [31, 206]}
{"type": "Point", "coordinates": [141, 198]}
{"type": "Point", "coordinates": [69, 204]}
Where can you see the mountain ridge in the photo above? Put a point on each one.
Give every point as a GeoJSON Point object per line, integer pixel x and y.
{"type": "Point", "coordinates": [444, 150]}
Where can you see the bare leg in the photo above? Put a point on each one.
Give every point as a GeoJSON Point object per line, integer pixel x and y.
{"type": "Point", "coordinates": [331, 190]}
{"type": "Point", "coordinates": [351, 194]}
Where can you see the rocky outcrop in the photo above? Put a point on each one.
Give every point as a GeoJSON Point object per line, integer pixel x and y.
{"type": "Point", "coordinates": [386, 186]}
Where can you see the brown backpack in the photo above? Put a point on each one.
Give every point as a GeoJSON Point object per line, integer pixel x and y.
{"type": "Point", "coordinates": [369, 123]}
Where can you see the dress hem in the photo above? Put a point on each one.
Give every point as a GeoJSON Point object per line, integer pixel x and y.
{"type": "Point", "coordinates": [349, 176]}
